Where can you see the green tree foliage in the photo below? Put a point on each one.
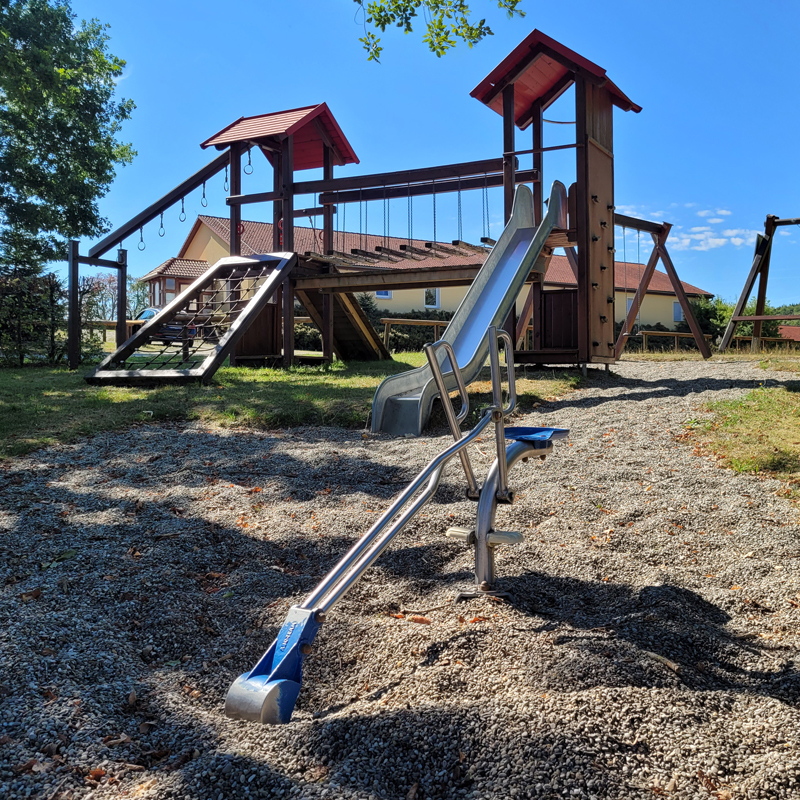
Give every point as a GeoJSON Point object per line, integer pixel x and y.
{"type": "Point", "coordinates": [446, 22]}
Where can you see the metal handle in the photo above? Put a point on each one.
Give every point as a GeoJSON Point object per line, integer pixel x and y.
{"type": "Point", "coordinates": [512, 382]}
{"type": "Point", "coordinates": [453, 419]}
{"type": "Point", "coordinates": [439, 378]}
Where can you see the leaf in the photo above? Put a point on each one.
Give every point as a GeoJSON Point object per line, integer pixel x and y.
{"type": "Point", "coordinates": [67, 555]}
{"type": "Point", "coordinates": [398, 616]}
{"type": "Point", "coordinates": [479, 619]}
{"type": "Point", "coordinates": [132, 698]}
{"type": "Point", "coordinates": [111, 741]}
{"type": "Point", "coordinates": [420, 620]}
{"type": "Point", "coordinates": [172, 663]}
{"type": "Point", "coordinates": [34, 594]}
{"type": "Point", "coordinates": [96, 773]}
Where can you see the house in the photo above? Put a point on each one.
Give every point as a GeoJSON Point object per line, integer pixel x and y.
{"type": "Point", "coordinates": [208, 241]}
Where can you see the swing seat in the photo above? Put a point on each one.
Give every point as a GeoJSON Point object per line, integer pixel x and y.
{"type": "Point", "coordinates": [538, 437]}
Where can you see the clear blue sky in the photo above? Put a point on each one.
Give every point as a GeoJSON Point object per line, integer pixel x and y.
{"type": "Point", "coordinates": [714, 150]}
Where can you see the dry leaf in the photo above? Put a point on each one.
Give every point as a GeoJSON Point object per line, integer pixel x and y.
{"type": "Point", "coordinates": [110, 741]}
{"type": "Point", "coordinates": [398, 616]}
{"type": "Point", "coordinates": [132, 698]}
{"type": "Point", "coordinates": [461, 619]}
{"type": "Point", "coordinates": [478, 619]}
{"type": "Point", "coordinates": [34, 594]}
{"type": "Point", "coordinates": [412, 792]}
{"type": "Point", "coordinates": [96, 773]}
{"type": "Point", "coordinates": [420, 620]}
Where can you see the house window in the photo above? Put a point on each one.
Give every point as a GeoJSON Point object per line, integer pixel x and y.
{"type": "Point", "coordinates": [628, 304]}
{"type": "Point", "coordinates": [677, 313]}
{"type": "Point", "coordinates": [156, 289]}
{"type": "Point", "coordinates": [432, 298]}
{"type": "Point", "coordinates": [383, 294]}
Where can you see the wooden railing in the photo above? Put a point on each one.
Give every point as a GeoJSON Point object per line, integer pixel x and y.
{"type": "Point", "coordinates": [436, 324]}
{"type": "Point", "coordinates": [674, 334]}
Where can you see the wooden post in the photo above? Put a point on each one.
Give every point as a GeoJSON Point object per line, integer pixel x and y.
{"type": "Point", "coordinates": [387, 327]}
{"type": "Point", "coordinates": [74, 311]}
{"type": "Point", "coordinates": [582, 221]}
{"type": "Point", "coordinates": [287, 178]}
{"type": "Point", "coordinates": [508, 150]}
{"type": "Point", "coordinates": [235, 165]}
{"type": "Point", "coordinates": [277, 206]}
{"type": "Point", "coordinates": [761, 297]}
{"type": "Point", "coordinates": [538, 162]}
{"type": "Point", "coordinates": [122, 297]}
{"type": "Point", "coordinates": [287, 209]}
{"type": "Point", "coordinates": [327, 246]}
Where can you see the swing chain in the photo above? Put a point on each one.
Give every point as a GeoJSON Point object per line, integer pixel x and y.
{"type": "Point", "coordinates": [410, 220]}
{"type": "Point", "coordinates": [204, 199]}
{"type": "Point", "coordinates": [226, 185]}
{"type": "Point", "coordinates": [161, 230]}
{"type": "Point", "coordinates": [141, 245]}
{"type": "Point", "coordinates": [485, 206]}
{"type": "Point", "coordinates": [385, 220]}
{"type": "Point", "coordinates": [248, 167]}
{"type": "Point", "coordinates": [182, 216]}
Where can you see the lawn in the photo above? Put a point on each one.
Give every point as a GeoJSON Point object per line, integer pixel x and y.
{"type": "Point", "coordinates": [40, 406]}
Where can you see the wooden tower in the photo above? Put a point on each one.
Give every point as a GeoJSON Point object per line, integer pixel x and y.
{"type": "Point", "coordinates": [571, 326]}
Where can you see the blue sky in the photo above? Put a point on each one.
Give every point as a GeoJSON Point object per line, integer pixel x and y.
{"type": "Point", "coordinates": [714, 150]}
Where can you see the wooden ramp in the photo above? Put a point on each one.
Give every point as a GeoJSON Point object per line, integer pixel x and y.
{"type": "Point", "coordinates": [192, 336]}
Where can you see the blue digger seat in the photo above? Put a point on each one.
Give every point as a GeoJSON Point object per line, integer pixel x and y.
{"type": "Point", "coordinates": [539, 437]}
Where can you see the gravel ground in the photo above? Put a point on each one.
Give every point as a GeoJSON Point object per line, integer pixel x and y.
{"type": "Point", "coordinates": [650, 647]}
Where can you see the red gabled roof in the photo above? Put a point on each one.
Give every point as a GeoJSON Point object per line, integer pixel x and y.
{"type": "Point", "coordinates": [178, 268]}
{"type": "Point", "coordinates": [789, 332]}
{"type": "Point", "coordinates": [297, 122]}
{"type": "Point", "coordinates": [549, 62]}
{"type": "Point", "coordinates": [257, 238]}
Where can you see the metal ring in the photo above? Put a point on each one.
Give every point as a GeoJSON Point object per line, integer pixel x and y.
{"type": "Point", "coordinates": [182, 216]}
{"type": "Point", "coordinates": [246, 168]}
{"type": "Point", "coordinates": [141, 245]}
{"type": "Point", "coordinates": [204, 201]}
{"type": "Point", "coordinates": [161, 231]}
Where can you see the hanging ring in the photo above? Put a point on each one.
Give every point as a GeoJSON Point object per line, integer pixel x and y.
{"type": "Point", "coordinates": [182, 216]}
{"type": "Point", "coordinates": [203, 199]}
{"type": "Point", "coordinates": [161, 230]}
{"type": "Point", "coordinates": [225, 185]}
{"type": "Point", "coordinates": [141, 245]}
{"type": "Point", "coordinates": [240, 228]}
{"type": "Point", "coordinates": [248, 167]}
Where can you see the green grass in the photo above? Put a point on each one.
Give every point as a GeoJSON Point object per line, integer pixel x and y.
{"type": "Point", "coordinates": [40, 406]}
{"type": "Point", "coordinates": [758, 433]}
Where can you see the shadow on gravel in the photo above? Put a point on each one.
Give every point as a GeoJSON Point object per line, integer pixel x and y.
{"type": "Point", "coordinates": [636, 389]}
{"type": "Point", "coordinates": [614, 635]}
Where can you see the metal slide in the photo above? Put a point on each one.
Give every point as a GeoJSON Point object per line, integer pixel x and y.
{"type": "Point", "coordinates": [268, 692]}
{"type": "Point", "coordinates": [402, 403]}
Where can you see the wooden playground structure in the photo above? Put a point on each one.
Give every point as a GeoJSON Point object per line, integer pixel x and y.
{"type": "Point", "coordinates": [759, 270]}
{"type": "Point", "coordinates": [570, 326]}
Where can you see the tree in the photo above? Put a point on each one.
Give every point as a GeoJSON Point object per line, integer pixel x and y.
{"type": "Point", "coordinates": [59, 124]}
{"type": "Point", "coordinates": [446, 21]}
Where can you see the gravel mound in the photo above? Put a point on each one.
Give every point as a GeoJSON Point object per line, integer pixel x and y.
{"type": "Point", "coordinates": [650, 646]}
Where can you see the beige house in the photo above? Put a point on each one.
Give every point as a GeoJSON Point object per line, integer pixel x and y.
{"type": "Point", "coordinates": [208, 241]}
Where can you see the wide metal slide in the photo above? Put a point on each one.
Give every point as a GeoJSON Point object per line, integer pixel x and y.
{"type": "Point", "coordinates": [403, 403]}
{"type": "Point", "coordinates": [268, 692]}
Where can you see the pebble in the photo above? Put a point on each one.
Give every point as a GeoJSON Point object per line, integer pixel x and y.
{"type": "Point", "coordinates": [625, 661]}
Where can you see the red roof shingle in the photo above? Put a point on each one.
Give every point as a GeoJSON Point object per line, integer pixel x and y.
{"type": "Point", "coordinates": [257, 239]}
{"type": "Point", "coordinates": [299, 123]}
{"type": "Point", "coordinates": [178, 268]}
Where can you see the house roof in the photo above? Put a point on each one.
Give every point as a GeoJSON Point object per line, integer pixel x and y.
{"type": "Point", "coordinates": [310, 126]}
{"type": "Point", "coordinates": [257, 238]}
{"type": "Point", "coordinates": [178, 268]}
{"type": "Point", "coordinates": [539, 68]}
{"type": "Point", "coordinates": [789, 332]}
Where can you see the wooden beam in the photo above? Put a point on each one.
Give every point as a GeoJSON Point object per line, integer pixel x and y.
{"type": "Point", "coordinates": [122, 297]}
{"type": "Point", "coordinates": [763, 244]}
{"type": "Point", "coordinates": [490, 180]}
{"type": "Point", "coordinates": [412, 278]}
{"type": "Point", "coordinates": [538, 163]}
{"type": "Point", "coordinates": [152, 211]}
{"type": "Point", "coordinates": [98, 262]}
{"type": "Point", "coordinates": [761, 297]}
{"type": "Point", "coordinates": [638, 224]}
{"type": "Point", "coordinates": [766, 317]}
{"type": "Point", "coordinates": [660, 241]}
{"type": "Point", "coordinates": [545, 100]}
{"type": "Point", "coordinates": [462, 170]}
{"type": "Point", "coordinates": [287, 178]}
{"type": "Point", "coordinates": [277, 205]}
{"type": "Point", "coordinates": [508, 147]}
{"type": "Point", "coordinates": [512, 77]}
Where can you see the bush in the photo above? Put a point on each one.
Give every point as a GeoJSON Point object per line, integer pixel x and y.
{"type": "Point", "coordinates": [403, 338]}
